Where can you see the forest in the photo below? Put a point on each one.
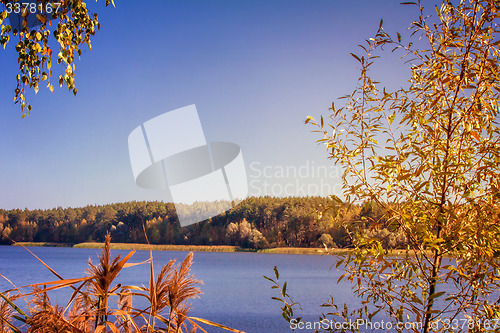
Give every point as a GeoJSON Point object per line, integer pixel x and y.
{"type": "Point", "coordinates": [255, 223]}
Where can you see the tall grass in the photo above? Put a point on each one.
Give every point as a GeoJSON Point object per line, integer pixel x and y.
{"type": "Point", "coordinates": [157, 247]}
{"type": "Point", "coordinates": [98, 305]}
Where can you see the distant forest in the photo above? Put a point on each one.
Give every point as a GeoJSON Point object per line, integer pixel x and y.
{"type": "Point", "coordinates": [257, 222]}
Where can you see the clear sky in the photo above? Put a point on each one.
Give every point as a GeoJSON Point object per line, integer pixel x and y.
{"type": "Point", "coordinates": [254, 68]}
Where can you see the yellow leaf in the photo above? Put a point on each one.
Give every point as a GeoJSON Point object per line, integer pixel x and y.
{"type": "Point", "coordinates": [475, 135]}
{"type": "Point", "coordinates": [113, 327]}
{"type": "Point", "coordinates": [100, 329]}
{"type": "Point", "coordinates": [309, 118]}
{"type": "Point", "coordinates": [41, 18]}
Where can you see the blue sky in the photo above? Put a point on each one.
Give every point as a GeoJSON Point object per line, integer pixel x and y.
{"type": "Point", "coordinates": [255, 70]}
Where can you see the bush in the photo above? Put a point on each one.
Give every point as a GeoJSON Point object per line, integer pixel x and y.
{"type": "Point", "coordinates": [327, 241]}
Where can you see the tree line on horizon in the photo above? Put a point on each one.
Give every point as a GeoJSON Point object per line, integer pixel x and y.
{"type": "Point", "coordinates": [255, 223]}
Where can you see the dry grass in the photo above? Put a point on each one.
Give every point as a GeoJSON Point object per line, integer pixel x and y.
{"type": "Point", "coordinates": [187, 248]}
{"type": "Point", "coordinates": [99, 305]}
{"type": "Point", "coordinates": [303, 250]}
{"type": "Point", "coordinates": [43, 244]}
{"type": "Point", "coordinates": [211, 248]}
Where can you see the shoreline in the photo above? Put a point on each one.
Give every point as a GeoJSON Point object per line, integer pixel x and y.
{"type": "Point", "coordinates": [191, 248]}
{"type": "Point", "coordinates": [203, 248]}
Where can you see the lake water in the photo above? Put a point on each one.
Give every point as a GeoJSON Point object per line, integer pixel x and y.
{"type": "Point", "coordinates": [234, 292]}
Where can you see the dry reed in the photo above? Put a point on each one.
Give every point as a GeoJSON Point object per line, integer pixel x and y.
{"type": "Point", "coordinates": [90, 310]}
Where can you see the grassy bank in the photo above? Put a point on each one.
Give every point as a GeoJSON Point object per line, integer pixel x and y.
{"type": "Point", "coordinates": [200, 248]}
{"type": "Point", "coordinates": [193, 248]}
{"type": "Point", "coordinates": [303, 250]}
{"type": "Point", "coordinates": [203, 248]}
{"type": "Point", "coordinates": [43, 244]}
{"type": "Point", "coordinates": [131, 246]}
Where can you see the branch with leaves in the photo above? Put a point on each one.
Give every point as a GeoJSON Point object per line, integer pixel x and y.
{"type": "Point", "coordinates": [429, 154]}
{"type": "Point", "coordinates": [68, 21]}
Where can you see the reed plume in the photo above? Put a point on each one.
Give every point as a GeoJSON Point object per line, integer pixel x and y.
{"type": "Point", "coordinates": [168, 292]}
{"type": "Point", "coordinates": [101, 278]}
{"type": "Point", "coordinates": [125, 310]}
{"type": "Point", "coordinates": [50, 320]}
{"type": "Point", "coordinates": [82, 315]}
{"type": "Point", "coordinates": [6, 313]}
{"type": "Point", "coordinates": [181, 286]}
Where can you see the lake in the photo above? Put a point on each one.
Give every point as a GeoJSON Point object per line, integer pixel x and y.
{"type": "Point", "coordinates": [234, 292]}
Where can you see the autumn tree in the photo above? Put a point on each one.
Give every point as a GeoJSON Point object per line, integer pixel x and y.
{"type": "Point", "coordinates": [244, 235]}
{"type": "Point", "coordinates": [429, 154]}
{"type": "Point", "coordinates": [30, 24]}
